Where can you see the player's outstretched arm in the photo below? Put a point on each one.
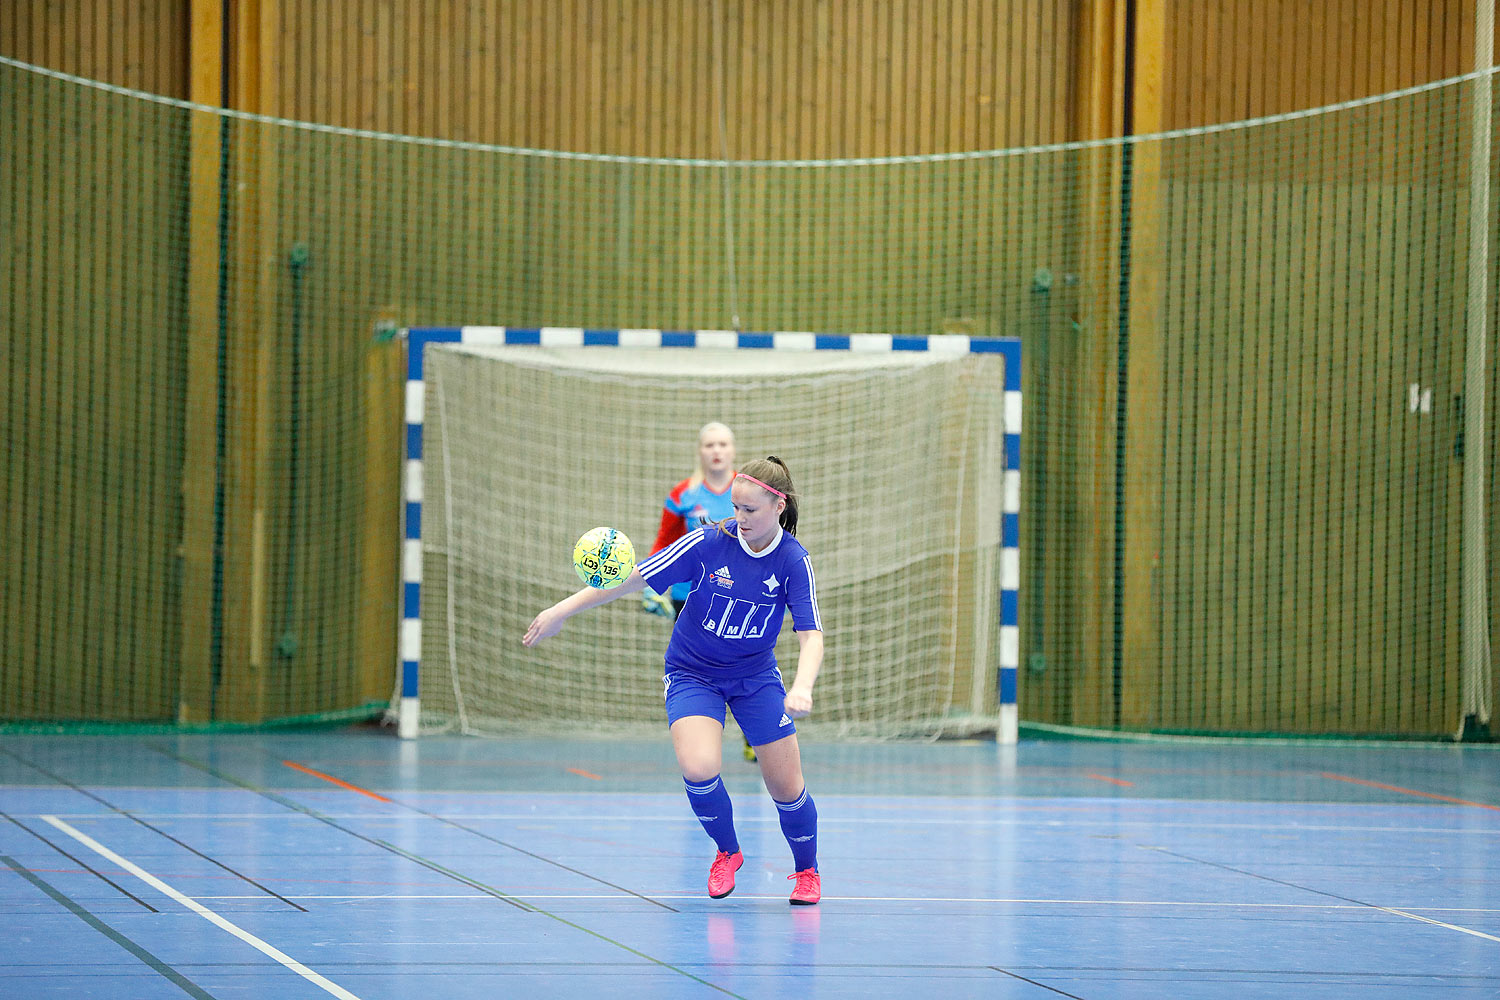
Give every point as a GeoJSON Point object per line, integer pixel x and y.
{"type": "Point", "coordinates": [799, 698]}
{"type": "Point", "coordinates": [550, 622]}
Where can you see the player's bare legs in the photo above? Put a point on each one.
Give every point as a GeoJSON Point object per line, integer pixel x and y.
{"type": "Point", "coordinates": [780, 768]}
{"type": "Point", "coordinates": [699, 743]}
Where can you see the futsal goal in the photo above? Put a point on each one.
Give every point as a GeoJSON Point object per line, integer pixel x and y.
{"type": "Point", "coordinates": [906, 453]}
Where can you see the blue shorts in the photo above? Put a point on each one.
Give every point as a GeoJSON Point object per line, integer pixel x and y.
{"type": "Point", "coordinates": [758, 702]}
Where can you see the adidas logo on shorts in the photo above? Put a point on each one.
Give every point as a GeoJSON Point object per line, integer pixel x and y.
{"type": "Point", "coordinates": [784, 720]}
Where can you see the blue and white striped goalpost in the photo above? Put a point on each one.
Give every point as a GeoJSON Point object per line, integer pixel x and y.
{"type": "Point", "coordinates": [418, 339]}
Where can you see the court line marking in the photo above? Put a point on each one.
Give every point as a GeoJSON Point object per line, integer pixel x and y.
{"type": "Point", "coordinates": [59, 779]}
{"type": "Point", "coordinates": [495, 840]}
{"type": "Point", "coordinates": [202, 911]}
{"type": "Point", "coordinates": [1026, 803]}
{"type": "Point", "coordinates": [1307, 742]}
{"type": "Point", "coordinates": [1406, 791]}
{"type": "Point", "coordinates": [1033, 982]}
{"type": "Point", "coordinates": [161, 968]}
{"type": "Point", "coordinates": [395, 897]}
{"type": "Point", "coordinates": [334, 781]}
{"type": "Point", "coordinates": [585, 774]}
{"type": "Point", "coordinates": [80, 863]}
{"type": "Point", "coordinates": [311, 813]}
{"type": "Point", "coordinates": [431, 865]}
{"type": "Point", "coordinates": [840, 821]}
{"type": "Point", "coordinates": [1321, 892]}
{"type": "Point", "coordinates": [1439, 923]}
{"type": "Point", "coordinates": [1113, 781]}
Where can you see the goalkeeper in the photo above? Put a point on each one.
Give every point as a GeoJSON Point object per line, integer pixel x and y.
{"type": "Point", "coordinates": [700, 499]}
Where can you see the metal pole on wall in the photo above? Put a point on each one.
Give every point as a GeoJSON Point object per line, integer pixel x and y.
{"type": "Point", "coordinates": [1475, 669]}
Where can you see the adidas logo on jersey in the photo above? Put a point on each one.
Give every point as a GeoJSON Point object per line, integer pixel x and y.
{"type": "Point", "coordinates": [721, 577]}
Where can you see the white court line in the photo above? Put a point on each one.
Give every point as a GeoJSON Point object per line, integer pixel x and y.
{"type": "Point", "coordinates": [885, 821]}
{"type": "Point", "coordinates": [1373, 906]}
{"type": "Point", "coordinates": [1429, 920]}
{"type": "Point", "coordinates": [202, 910]}
{"type": "Point", "coordinates": [397, 898]}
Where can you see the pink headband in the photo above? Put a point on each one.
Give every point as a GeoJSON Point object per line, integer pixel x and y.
{"type": "Point", "coordinates": [757, 482]}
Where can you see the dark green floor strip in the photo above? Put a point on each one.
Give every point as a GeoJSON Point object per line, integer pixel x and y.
{"type": "Point", "coordinates": [177, 978]}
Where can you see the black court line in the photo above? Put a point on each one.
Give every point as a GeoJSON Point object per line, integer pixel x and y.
{"type": "Point", "coordinates": [509, 846]}
{"type": "Point", "coordinates": [1033, 982]}
{"type": "Point", "coordinates": [1456, 977]}
{"type": "Point", "coordinates": [519, 850]}
{"type": "Point", "coordinates": [432, 865]}
{"type": "Point", "coordinates": [81, 863]}
{"type": "Point", "coordinates": [1317, 892]}
{"type": "Point", "coordinates": [162, 968]}
{"type": "Point", "coordinates": [154, 829]}
{"type": "Point", "coordinates": [531, 854]}
{"type": "Point", "coordinates": [286, 803]}
{"type": "Point", "coordinates": [556, 864]}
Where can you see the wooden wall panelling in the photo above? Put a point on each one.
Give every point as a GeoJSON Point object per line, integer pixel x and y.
{"type": "Point", "coordinates": [1381, 411]}
{"type": "Point", "coordinates": [1277, 392]}
{"type": "Point", "coordinates": [1142, 458]}
{"type": "Point", "coordinates": [249, 380]}
{"type": "Point", "coordinates": [116, 525]}
{"type": "Point", "coordinates": [1285, 56]}
{"type": "Point", "coordinates": [123, 677]}
{"type": "Point", "coordinates": [1300, 398]}
{"type": "Point", "coordinates": [1345, 496]}
{"type": "Point", "coordinates": [142, 46]}
{"type": "Point", "coordinates": [200, 460]}
{"type": "Point", "coordinates": [1445, 198]}
{"type": "Point", "coordinates": [32, 351]}
{"type": "Point", "coordinates": [1493, 514]}
{"type": "Point", "coordinates": [16, 163]}
{"type": "Point", "coordinates": [1359, 294]}
{"type": "Point", "coordinates": [1073, 685]}
{"type": "Point", "coordinates": [92, 544]}
{"type": "Point", "coordinates": [68, 480]}
{"type": "Point", "coordinates": [1178, 380]}
{"type": "Point", "coordinates": [804, 81]}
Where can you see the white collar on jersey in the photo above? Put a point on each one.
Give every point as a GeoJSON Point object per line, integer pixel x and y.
{"type": "Point", "coordinates": [763, 552]}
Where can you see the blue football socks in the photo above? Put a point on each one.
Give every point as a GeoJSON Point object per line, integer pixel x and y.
{"type": "Point", "coordinates": [799, 823]}
{"type": "Point", "coordinates": [710, 802]}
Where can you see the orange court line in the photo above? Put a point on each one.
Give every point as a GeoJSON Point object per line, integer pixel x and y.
{"type": "Point", "coordinates": [1112, 781]}
{"type": "Point", "coordinates": [1407, 791]}
{"type": "Point", "coordinates": [586, 774]}
{"type": "Point", "coordinates": [337, 781]}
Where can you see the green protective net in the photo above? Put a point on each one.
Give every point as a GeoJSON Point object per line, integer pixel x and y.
{"type": "Point", "coordinates": [1258, 467]}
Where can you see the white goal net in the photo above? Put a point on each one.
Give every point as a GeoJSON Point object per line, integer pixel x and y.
{"type": "Point", "coordinates": [898, 459]}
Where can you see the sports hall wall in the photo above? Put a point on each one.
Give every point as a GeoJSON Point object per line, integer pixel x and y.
{"type": "Point", "coordinates": [201, 502]}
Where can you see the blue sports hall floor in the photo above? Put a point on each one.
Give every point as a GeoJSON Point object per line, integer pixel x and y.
{"type": "Point", "coordinates": [347, 863]}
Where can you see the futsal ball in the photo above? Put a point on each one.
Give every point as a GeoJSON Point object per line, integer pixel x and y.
{"type": "Point", "coordinates": [603, 558]}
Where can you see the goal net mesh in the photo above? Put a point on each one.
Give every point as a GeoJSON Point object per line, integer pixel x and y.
{"type": "Point", "coordinates": [898, 460]}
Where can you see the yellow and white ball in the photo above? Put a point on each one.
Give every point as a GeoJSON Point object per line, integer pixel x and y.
{"type": "Point", "coordinates": [603, 558]}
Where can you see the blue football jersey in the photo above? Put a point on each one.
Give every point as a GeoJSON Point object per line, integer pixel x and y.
{"type": "Point", "coordinates": [729, 626]}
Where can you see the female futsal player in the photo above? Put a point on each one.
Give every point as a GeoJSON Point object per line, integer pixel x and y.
{"type": "Point", "coordinates": [699, 499]}
{"type": "Point", "coordinates": [747, 573]}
